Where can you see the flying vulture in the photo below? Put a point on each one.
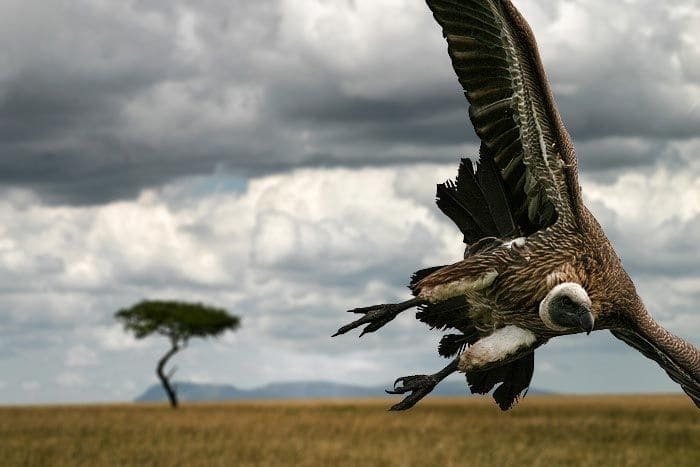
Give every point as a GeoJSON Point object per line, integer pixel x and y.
{"type": "Point", "coordinates": [537, 264]}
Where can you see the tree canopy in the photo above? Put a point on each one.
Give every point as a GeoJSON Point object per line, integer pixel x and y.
{"type": "Point", "coordinates": [176, 320]}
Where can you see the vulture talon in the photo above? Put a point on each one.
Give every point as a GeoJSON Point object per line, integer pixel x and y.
{"type": "Point", "coordinates": [419, 386]}
{"type": "Point", "coordinates": [376, 316]}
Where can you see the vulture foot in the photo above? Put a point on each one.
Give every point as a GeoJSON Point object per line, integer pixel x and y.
{"type": "Point", "coordinates": [419, 386]}
{"type": "Point", "coordinates": [376, 316]}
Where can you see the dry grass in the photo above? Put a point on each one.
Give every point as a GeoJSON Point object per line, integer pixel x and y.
{"type": "Point", "coordinates": [548, 431]}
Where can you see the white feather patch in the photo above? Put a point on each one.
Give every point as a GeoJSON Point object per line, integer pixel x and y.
{"type": "Point", "coordinates": [517, 242]}
{"type": "Point", "coordinates": [496, 347]}
{"type": "Point", "coordinates": [459, 287]}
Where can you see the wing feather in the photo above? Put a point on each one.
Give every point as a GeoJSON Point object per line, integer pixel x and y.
{"type": "Point", "coordinates": [689, 384]}
{"type": "Point", "coordinates": [512, 108]}
{"type": "Point", "coordinates": [513, 379]}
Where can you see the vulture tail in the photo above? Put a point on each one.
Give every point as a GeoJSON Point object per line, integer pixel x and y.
{"type": "Point", "coordinates": [514, 379]}
{"type": "Point", "coordinates": [451, 313]}
{"type": "Point", "coordinates": [478, 202]}
{"type": "Point", "coordinates": [453, 344]}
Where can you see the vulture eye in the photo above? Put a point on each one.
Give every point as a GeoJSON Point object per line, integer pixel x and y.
{"type": "Point", "coordinates": [566, 301]}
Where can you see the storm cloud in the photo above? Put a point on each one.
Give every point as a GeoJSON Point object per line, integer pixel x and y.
{"type": "Point", "coordinates": [99, 101]}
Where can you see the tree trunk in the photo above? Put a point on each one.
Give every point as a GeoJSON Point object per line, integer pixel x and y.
{"type": "Point", "coordinates": [169, 390]}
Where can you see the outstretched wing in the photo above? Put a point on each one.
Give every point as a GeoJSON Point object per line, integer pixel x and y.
{"type": "Point", "coordinates": [512, 109]}
{"type": "Point", "coordinates": [688, 382]}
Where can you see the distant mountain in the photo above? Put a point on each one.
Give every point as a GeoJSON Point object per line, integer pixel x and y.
{"type": "Point", "coordinates": [293, 390]}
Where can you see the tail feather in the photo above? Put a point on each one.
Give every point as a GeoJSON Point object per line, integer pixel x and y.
{"type": "Point", "coordinates": [454, 204]}
{"type": "Point", "coordinates": [453, 344]}
{"type": "Point", "coordinates": [478, 203]}
{"type": "Point", "coordinates": [514, 379]}
{"type": "Point", "coordinates": [452, 313]}
{"type": "Point", "coordinates": [468, 186]}
{"type": "Point", "coordinates": [496, 198]}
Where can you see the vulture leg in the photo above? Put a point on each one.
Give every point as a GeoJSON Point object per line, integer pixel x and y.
{"type": "Point", "coordinates": [419, 386]}
{"type": "Point", "coordinates": [377, 316]}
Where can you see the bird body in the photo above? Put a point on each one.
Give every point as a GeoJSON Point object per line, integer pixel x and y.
{"type": "Point", "coordinates": [507, 284]}
{"type": "Point", "coordinates": [537, 264]}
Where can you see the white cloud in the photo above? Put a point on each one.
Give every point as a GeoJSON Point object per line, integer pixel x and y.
{"type": "Point", "coordinates": [289, 253]}
{"type": "Point", "coordinates": [329, 220]}
{"type": "Point", "coordinates": [368, 42]}
{"type": "Point", "coordinates": [645, 201]}
{"type": "Point", "coordinates": [80, 356]}
{"type": "Point", "coordinates": [70, 379]}
{"type": "Point", "coordinates": [111, 337]}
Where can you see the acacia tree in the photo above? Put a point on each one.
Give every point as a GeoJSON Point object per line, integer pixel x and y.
{"type": "Point", "coordinates": [178, 321]}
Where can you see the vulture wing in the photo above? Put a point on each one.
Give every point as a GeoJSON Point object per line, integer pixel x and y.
{"type": "Point", "coordinates": [495, 56]}
{"type": "Point", "coordinates": [677, 372]}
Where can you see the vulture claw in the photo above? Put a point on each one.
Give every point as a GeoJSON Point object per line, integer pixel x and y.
{"type": "Point", "coordinates": [419, 386]}
{"type": "Point", "coordinates": [374, 317]}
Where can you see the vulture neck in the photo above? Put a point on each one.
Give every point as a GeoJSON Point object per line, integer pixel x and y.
{"type": "Point", "coordinates": [680, 352]}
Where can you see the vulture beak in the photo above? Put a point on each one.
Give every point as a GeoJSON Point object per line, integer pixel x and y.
{"type": "Point", "coordinates": [586, 321]}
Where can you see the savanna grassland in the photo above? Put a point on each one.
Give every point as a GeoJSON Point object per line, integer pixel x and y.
{"type": "Point", "coordinates": [543, 431]}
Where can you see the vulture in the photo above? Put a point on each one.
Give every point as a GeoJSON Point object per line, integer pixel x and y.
{"type": "Point", "coordinates": [537, 264]}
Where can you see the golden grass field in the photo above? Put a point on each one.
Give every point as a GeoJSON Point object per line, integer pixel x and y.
{"type": "Point", "coordinates": [542, 430]}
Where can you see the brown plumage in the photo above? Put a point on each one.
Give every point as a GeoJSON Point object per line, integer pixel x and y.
{"type": "Point", "coordinates": [537, 263]}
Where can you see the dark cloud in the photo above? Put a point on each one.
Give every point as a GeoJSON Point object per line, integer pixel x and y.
{"type": "Point", "coordinates": [670, 252]}
{"type": "Point", "coordinates": [99, 101]}
{"type": "Point", "coordinates": [610, 156]}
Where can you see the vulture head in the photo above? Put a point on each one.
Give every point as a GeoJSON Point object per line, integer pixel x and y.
{"type": "Point", "coordinates": [567, 308]}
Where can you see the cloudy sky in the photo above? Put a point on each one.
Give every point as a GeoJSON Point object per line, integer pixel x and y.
{"type": "Point", "coordinates": [279, 158]}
